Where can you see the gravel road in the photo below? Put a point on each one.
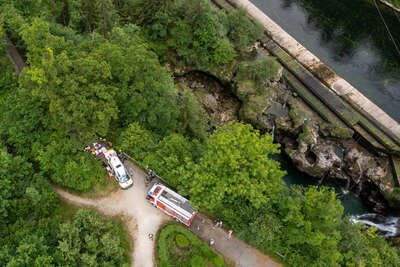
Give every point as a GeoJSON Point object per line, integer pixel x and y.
{"type": "Point", "coordinates": [143, 219]}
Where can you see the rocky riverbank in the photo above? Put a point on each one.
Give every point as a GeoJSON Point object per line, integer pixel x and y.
{"type": "Point", "coordinates": [316, 147]}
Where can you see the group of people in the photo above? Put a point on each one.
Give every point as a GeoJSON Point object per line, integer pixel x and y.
{"type": "Point", "coordinates": [150, 175]}
{"type": "Point", "coordinates": [218, 224]}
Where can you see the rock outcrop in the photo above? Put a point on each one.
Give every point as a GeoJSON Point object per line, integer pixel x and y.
{"type": "Point", "coordinates": [316, 147]}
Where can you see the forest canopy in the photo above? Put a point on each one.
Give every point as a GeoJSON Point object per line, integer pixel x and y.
{"type": "Point", "coordinates": [106, 69]}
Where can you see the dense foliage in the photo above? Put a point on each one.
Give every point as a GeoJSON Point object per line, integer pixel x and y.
{"type": "Point", "coordinates": [176, 246]}
{"type": "Point", "coordinates": [93, 72]}
{"type": "Point", "coordinates": [233, 176]}
{"type": "Point", "coordinates": [36, 230]}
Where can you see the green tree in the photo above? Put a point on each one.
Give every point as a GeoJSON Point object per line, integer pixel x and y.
{"type": "Point", "coordinates": [64, 160]}
{"type": "Point", "coordinates": [241, 30]}
{"type": "Point", "coordinates": [172, 158]}
{"type": "Point", "coordinates": [146, 90]}
{"type": "Point", "coordinates": [364, 247]}
{"type": "Point", "coordinates": [194, 32]}
{"type": "Point", "coordinates": [22, 192]}
{"type": "Point", "coordinates": [236, 170]}
{"type": "Point", "coordinates": [136, 141]}
{"type": "Point", "coordinates": [89, 16]}
{"type": "Point", "coordinates": [311, 227]}
{"type": "Point", "coordinates": [192, 118]}
{"type": "Point", "coordinates": [74, 83]}
{"type": "Point", "coordinates": [89, 240]}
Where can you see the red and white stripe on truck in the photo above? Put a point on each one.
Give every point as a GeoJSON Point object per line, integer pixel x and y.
{"type": "Point", "coordinates": [171, 203]}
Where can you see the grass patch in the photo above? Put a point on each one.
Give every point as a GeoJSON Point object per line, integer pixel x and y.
{"type": "Point", "coordinates": [102, 189]}
{"type": "Point", "coordinates": [177, 247]}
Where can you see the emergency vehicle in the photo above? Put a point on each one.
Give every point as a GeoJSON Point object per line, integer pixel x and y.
{"type": "Point", "coordinates": [171, 203]}
{"type": "Point", "coordinates": [118, 169]}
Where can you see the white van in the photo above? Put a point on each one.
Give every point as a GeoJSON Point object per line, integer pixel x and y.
{"type": "Point", "coordinates": [118, 169]}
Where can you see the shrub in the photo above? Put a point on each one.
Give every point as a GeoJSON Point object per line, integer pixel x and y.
{"type": "Point", "coordinates": [181, 241]}
{"type": "Point", "coordinates": [241, 30]}
{"type": "Point", "coordinates": [197, 254]}
{"type": "Point", "coordinates": [258, 70]}
{"type": "Point", "coordinates": [197, 261]}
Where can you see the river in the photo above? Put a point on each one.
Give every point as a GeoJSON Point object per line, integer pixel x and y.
{"type": "Point", "coordinates": [351, 203]}
{"type": "Point", "coordinates": [351, 38]}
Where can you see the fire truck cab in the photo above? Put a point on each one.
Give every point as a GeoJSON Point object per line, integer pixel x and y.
{"type": "Point", "coordinates": [171, 203]}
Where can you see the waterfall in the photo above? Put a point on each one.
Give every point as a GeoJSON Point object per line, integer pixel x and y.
{"type": "Point", "coordinates": [346, 190]}
{"type": "Point", "coordinates": [273, 130]}
{"type": "Point", "coordinates": [386, 226]}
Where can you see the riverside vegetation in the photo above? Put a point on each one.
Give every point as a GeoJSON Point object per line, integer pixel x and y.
{"type": "Point", "coordinates": [96, 69]}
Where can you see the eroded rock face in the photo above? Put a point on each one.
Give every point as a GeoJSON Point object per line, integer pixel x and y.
{"type": "Point", "coordinates": [314, 155]}
{"type": "Point", "coordinates": [333, 158]}
{"type": "Point", "coordinates": [358, 165]}
{"type": "Point", "coordinates": [317, 148]}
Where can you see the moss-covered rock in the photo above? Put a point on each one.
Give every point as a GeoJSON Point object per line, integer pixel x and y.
{"type": "Point", "coordinates": [254, 103]}
{"type": "Point", "coordinates": [340, 132]}
{"type": "Point", "coordinates": [393, 198]}
{"type": "Point", "coordinates": [259, 70]}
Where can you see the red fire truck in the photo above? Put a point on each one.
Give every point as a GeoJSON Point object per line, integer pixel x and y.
{"type": "Point", "coordinates": [171, 203]}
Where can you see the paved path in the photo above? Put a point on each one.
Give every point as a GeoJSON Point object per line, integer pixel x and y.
{"type": "Point", "coordinates": [234, 249]}
{"type": "Point", "coordinates": [143, 218]}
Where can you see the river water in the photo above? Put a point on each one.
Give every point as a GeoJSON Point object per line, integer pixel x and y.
{"type": "Point", "coordinates": [351, 203]}
{"type": "Point", "coordinates": [351, 38]}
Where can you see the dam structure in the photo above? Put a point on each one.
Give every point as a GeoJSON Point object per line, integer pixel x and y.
{"type": "Point", "coordinates": [328, 94]}
{"type": "Point", "coordinates": [337, 84]}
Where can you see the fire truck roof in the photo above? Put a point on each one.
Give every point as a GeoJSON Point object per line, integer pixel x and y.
{"type": "Point", "coordinates": [170, 196]}
{"type": "Point", "coordinates": [177, 200]}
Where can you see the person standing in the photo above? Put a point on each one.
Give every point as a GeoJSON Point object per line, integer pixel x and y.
{"type": "Point", "coordinates": [230, 234]}
{"type": "Point", "coordinates": [212, 241]}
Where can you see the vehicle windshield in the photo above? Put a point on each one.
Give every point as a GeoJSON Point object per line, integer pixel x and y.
{"type": "Point", "coordinates": [121, 174]}
{"type": "Point", "coordinates": [123, 179]}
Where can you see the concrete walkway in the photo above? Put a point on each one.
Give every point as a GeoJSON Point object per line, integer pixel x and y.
{"type": "Point", "coordinates": [143, 218]}
{"type": "Point", "coordinates": [234, 249]}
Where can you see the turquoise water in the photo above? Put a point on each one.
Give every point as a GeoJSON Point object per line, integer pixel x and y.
{"type": "Point", "coordinates": [351, 203]}
{"type": "Point", "coordinates": [350, 37]}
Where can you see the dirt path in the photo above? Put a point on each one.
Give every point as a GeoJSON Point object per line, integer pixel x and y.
{"type": "Point", "coordinates": [143, 219]}
{"type": "Point", "coordinates": [15, 57]}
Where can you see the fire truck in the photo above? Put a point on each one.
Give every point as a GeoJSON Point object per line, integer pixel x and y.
{"type": "Point", "coordinates": [171, 203]}
{"type": "Point", "coordinates": [118, 169]}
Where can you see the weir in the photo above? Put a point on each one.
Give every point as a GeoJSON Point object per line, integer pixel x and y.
{"type": "Point", "coordinates": [328, 94]}
{"type": "Point", "coordinates": [359, 113]}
